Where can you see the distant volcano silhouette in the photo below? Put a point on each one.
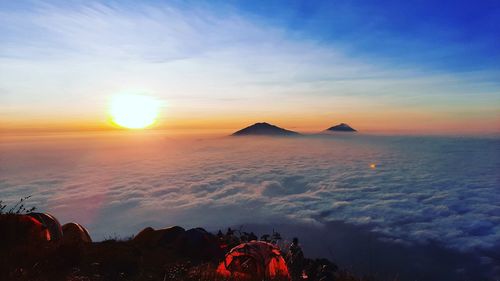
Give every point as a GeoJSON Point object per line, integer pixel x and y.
{"type": "Point", "coordinates": [342, 127]}
{"type": "Point", "coordinates": [264, 129]}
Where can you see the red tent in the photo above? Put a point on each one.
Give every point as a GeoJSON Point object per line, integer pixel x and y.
{"type": "Point", "coordinates": [50, 223]}
{"type": "Point", "coordinates": [19, 230]}
{"type": "Point", "coordinates": [254, 260]}
{"type": "Point", "coordinates": [75, 233]}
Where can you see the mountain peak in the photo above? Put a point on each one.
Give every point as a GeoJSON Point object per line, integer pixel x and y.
{"type": "Point", "coordinates": [264, 129]}
{"type": "Point", "coordinates": [342, 127]}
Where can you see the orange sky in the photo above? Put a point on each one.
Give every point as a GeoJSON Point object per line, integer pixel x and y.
{"type": "Point", "coordinates": [224, 75]}
{"type": "Point", "coordinates": [388, 121]}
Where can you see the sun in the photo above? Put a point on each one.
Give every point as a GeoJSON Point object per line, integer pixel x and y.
{"type": "Point", "coordinates": [134, 111]}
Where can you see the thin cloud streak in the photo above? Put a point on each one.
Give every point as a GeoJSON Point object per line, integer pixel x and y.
{"type": "Point", "coordinates": [65, 62]}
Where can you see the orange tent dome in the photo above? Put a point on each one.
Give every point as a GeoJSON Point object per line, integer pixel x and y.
{"type": "Point", "coordinates": [254, 260]}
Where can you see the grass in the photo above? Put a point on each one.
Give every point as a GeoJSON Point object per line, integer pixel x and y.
{"type": "Point", "coordinates": [18, 208]}
{"type": "Point", "coordinates": [120, 259]}
{"type": "Point", "coordinates": [111, 260]}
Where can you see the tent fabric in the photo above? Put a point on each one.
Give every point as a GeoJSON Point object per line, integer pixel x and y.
{"type": "Point", "coordinates": [51, 223]}
{"type": "Point", "coordinates": [255, 259]}
{"type": "Point", "coordinates": [19, 229]}
{"type": "Point", "coordinates": [75, 233]}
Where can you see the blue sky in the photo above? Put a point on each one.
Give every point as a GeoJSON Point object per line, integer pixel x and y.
{"type": "Point", "coordinates": [326, 60]}
{"type": "Point", "coordinates": [440, 35]}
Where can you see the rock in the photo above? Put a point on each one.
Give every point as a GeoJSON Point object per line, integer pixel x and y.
{"type": "Point", "coordinates": [320, 269]}
{"type": "Point", "coordinates": [201, 245]}
{"type": "Point", "coordinates": [158, 238]}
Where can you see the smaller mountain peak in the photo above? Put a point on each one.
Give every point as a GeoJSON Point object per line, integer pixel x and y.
{"type": "Point", "coordinates": [342, 127]}
{"type": "Point", "coordinates": [264, 129]}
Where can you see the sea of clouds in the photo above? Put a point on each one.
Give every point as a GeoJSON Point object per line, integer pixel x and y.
{"type": "Point", "coordinates": [423, 189]}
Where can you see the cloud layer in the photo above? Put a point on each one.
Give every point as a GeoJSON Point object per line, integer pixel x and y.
{"type": "Point", "coordinates": [423, 189]}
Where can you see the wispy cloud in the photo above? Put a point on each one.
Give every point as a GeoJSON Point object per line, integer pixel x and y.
{"type": "Point", "coordinates": [67, 60]}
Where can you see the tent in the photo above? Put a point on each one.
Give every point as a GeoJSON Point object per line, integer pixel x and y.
{"type": "Point", "coordinates": [75, 233]}
{"type": "Point", "coordinates": [50, 223]}
{"type": "Point", "coordinates": [254, 260]}
{"type": "Point", "coordinates": [19, 230]}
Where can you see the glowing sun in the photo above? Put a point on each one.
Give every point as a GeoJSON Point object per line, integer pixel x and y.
{"type": "Point", "coordinates": [134, 111]}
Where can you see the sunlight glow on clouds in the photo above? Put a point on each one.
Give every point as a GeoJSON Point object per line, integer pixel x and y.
{"type": "Point", "coordinates": [443, 189]}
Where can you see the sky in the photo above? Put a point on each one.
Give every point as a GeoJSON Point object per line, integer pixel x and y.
{"type": "Point", "coordinates": [386, 66]}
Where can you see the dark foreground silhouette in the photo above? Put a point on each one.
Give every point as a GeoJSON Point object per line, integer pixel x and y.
{"type": "Point", "coordinates": [366, 253]}
{"type": "Point", "coordinates": [36, 247]}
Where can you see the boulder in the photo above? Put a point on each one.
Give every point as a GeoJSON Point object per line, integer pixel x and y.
{"type": "Point", "coordinates": [201, 245]}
